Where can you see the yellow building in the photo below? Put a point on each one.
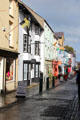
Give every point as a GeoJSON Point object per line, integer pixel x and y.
{"type": "Point", "coordinates": [8, 45]}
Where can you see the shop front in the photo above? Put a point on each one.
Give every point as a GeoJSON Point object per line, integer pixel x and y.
{"type": "Point", "coordinates": [8, 71]}
{"type": "Point", "coordinates": [31, 71]}
{"type": "Point", "coordinates": [10, 74]}
{"type": "Point", "coordinates": [56, 71]}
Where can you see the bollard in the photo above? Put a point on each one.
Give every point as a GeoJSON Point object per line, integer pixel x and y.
{"type": "Point", "coordinates": [47, 83]}
{"type": "Point", "coordinates": [53, 82]}
{"type": "Point", "coordinates": [41, 83]}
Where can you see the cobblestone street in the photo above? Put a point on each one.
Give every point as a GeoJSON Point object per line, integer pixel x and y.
{"type": "Point", "coordinates": [60, 103]}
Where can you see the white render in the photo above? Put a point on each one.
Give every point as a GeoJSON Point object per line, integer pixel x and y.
{"type": "Point", "coordinates": [27, 56]}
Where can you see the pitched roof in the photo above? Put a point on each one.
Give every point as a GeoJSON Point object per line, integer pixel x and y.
{"type": "Point", "coordinates": [39, 19]}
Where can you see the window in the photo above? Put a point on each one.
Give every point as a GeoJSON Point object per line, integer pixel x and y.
{"type": "Point", "coordinates": [25, 71]}
{"type": "Point", "coordinates": [26, 43]}
{"type": "Point", "coordinates": [37, 30]}
{"type": "Point", "coordinates": [11, 7]}
{"type": "Point", "coordinates": [10, 34]}
{"type": "Point", "coordinates": [37, 70]}
{"type": "Point", "coordinates": [37, 48]}
{"type": "Point", "coordinates": [10, 69]}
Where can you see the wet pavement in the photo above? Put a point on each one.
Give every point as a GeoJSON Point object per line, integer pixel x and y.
{"type": "Point", "coordinates": [60, 103]}
{"type": "Point", "coordinates": [7, 100]}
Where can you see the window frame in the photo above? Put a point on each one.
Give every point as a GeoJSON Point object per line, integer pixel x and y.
{"type": "Point", "coordinates": [37, 50]}
{"type": "Point", "coordinates": [27, 44]}
{"type": "Point", "coordinates": [37, 30]}
{"type": "Point", "coordinates": [37, 71]}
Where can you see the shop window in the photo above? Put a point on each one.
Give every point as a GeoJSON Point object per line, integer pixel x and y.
{"type": "Point", "coordinates": [37, 48]}
{"type": "Point", "coordinates": [37, 70]}
{"type": "Point", "coordinates": [26, 43]}
{"type": "Point", "coordinates": [10, 69]}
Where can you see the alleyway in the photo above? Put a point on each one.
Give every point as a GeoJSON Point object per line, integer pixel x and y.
{"type": "Point", "coordinates": [56, 104]}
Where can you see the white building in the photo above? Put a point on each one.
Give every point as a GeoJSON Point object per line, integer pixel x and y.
{"type": "Point", "coordinates": [48, 51]}
{"type": "Point", "coordinates": [41, 49]}
{"type": "Point", "coordinates": [29, 44]}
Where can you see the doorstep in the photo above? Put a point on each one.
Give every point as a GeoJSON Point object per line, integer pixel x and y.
{"type": "Point", "coordinates": [33, 85]}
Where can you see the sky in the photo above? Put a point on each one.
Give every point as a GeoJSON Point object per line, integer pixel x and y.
{"type": "Point", "coordinates": [62, 16]}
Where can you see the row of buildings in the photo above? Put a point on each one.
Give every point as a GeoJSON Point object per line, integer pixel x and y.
{"type": "Point", "coordinates": [28, 46]}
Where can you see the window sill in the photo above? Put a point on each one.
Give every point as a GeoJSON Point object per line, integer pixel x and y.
{"type": "Point", "coordinates": [9, 81]}
{"type": "Point", "coordinates": [11, 16]}
{"type": "Point", "coordinates": [11, 46]}
{"type": "Point", "coordinates": [37, 55]}
{"type": "Point", "coordinates": [27, 52]}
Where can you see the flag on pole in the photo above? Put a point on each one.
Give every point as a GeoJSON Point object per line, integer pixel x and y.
{"type": "Point", "coordinates": [25, 23]}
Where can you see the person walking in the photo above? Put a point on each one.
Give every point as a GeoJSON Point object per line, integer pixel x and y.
{"type": "Point", "coordinates": [78, 81]}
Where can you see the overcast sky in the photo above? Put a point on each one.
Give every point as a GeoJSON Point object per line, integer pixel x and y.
{"type": "Point", "coordinates": [62, 16]}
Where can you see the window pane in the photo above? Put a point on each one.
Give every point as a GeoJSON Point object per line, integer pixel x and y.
{"type": "Point", "coordinates": [25, 43]}
{"type": "Point", "coordinates": [37, 49]}
{"type": "Point", "coordinates": [36, 70]}
{"type": "Point", "coordinates": [37, 30]}
{"type": "Point", "coordinates": [25, 71]}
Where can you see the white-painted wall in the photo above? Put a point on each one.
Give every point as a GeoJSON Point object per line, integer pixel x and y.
{"type": "Point", "coordinates": [27, 56]}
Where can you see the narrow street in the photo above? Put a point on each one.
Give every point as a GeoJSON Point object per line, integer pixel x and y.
{"type": "Point", "coordinates": [60, 103]}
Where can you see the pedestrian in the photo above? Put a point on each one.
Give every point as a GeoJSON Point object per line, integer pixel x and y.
{"type": "Point", "coordinates": [65, 73]}
{"type": "Point", "coordinates": [78, 81]}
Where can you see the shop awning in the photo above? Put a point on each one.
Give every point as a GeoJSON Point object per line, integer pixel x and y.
{"type": "Point", "coordinates": [61, 48]}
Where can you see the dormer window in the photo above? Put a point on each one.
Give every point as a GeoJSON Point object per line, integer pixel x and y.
{"type": "Point", "coordinates": [37, 30]}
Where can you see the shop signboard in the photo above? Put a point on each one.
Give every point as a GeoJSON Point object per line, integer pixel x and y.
{"type": "Point", "coordinates": [21, 90]}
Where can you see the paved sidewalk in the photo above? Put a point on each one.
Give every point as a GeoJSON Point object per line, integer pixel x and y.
{"type": "Point", "coordinates": [31, 92]}
{"type": "Point", "coordinates": [10, 99]}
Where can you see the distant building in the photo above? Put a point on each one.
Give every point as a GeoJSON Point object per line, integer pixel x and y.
{"type": "Point", "coordinates": [60, 38]}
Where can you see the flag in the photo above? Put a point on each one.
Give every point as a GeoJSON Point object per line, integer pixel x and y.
{"type": "Point", "coordinates": [25, 23]}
